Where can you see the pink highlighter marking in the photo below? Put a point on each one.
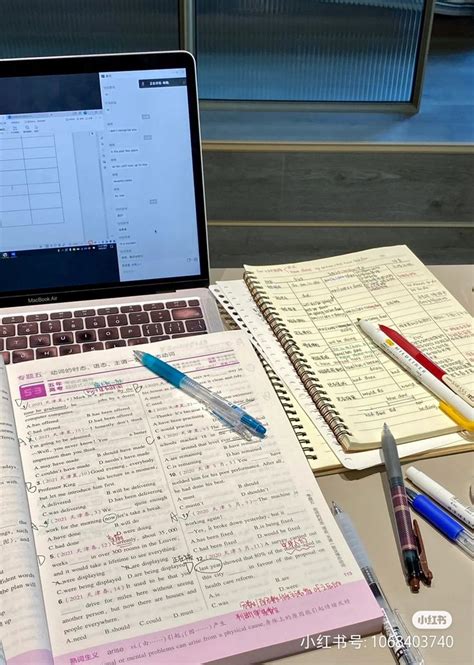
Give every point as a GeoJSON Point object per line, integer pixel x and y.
{"type": "Point", "coordinates": [33, 391]}
{"type": "Point", "coordinates": [341, 610]}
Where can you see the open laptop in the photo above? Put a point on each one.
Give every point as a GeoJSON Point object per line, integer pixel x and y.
{"type": "Point", "coordinates": [103, 238]}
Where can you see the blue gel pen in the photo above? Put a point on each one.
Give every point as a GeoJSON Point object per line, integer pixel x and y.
{"type": "Point", "coordinates": [442, 521]}
{"type": "Point", "coordinates": [230, 414]}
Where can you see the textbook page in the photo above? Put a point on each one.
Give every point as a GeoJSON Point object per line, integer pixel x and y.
{"type": "Point", "coordinates": [23, 632]}
{"type": "Point", "coordinates": [319, 302]}
{"type": "Point", "coordinates": [168, 535]}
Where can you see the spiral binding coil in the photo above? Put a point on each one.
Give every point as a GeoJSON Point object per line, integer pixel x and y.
{"type": "Point", "coordinates": [286, 403]}
{"type": "Point", "coordinates": [278, 386]}
{"type": "Point", "coordinates": [309, 379]}
{"type": "Point", "coordinates": [228, 321]}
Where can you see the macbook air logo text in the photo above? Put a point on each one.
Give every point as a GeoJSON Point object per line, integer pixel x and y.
{"type": "Point", "coordinates": [39, 299]}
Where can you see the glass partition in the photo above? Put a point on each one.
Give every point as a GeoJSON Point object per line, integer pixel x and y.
{"type": "Point", "coordinates": [63, 27]}
{"type": "Point", "coordinates": [253, 51]}
{"type": "Point", "coordinates": [309, 50]}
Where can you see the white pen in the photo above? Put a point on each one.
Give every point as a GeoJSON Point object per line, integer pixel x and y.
{"type": "Point", "coordinates": [443, 496]}
{"type": "Point", "coordinates": [398, 638]}
{"type": "Point", "coordinates": [453, 405]}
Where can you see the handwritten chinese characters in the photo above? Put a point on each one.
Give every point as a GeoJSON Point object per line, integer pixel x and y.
{"type": "Point", "coordinates": [319, 302]}
{"type": "Point", "coordinates": [155, 514]}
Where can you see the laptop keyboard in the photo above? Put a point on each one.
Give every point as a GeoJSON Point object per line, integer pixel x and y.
{"type": "Point", "coordinates": [36, 336]}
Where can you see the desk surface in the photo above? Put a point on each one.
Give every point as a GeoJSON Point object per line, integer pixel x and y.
{"type": "Point", "coordinates": [362, 494]}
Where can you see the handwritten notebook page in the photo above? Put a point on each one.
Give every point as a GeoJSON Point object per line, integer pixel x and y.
{"type": "Point", "coordinates": [159, 518]}
{"type": "Point", "coordinates": [23, 630]}
{"type": "Point", "coordinates": [236, 297]}
{"type": "Point", "coordinates": [319, 303]}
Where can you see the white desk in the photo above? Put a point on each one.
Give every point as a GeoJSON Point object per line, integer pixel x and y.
{"type": "Point", "coordinates": [362, 495]}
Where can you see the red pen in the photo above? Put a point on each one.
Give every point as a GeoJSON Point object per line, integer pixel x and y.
{"type": "Point", "coordinates": [429, 365]}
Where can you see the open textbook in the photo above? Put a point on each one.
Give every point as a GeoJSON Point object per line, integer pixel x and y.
{"type": "Point", "coordinates": [313, 308]}
{"type": "Point", "coordinates": [135, 527]}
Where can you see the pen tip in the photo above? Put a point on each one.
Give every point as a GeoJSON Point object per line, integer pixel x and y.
{"type": "Point", "coordinates": [138, 355]}
{"type": "Point", "coordinates": [386, 429]}
{"type": "Point", "coordinates": [335, 508]}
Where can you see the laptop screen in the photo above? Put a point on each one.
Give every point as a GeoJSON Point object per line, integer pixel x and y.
{"type": "Point", "coordinates": [98, 178]}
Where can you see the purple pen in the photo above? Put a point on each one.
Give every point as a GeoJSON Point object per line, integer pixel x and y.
{"type": "Point", "coordinates": [406, 536]}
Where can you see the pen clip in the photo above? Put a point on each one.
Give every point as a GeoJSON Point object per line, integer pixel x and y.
{"type": "Point", "coordinates": [427, 574]}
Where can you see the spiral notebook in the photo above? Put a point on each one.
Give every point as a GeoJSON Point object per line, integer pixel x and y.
{"type": "Point", "coordinates": [313, 307]}
{"type": "Point", "coordinates": [323, 452]}
{"type": "Point", "coordinates": [239, 311]}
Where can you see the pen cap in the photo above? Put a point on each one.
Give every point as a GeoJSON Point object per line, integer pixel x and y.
{"type": "Point", "coordinates": [438, 517]}
{"type": "Point", "coordinates": [467, 423]}
{"type": "Point", "coordinates": [391, 458]}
